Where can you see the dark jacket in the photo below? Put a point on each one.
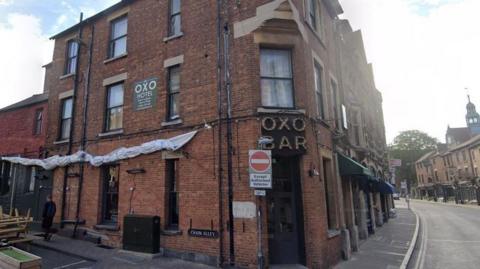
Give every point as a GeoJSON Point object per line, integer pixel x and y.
{"type": "Point", "coordinates": [49, 211]}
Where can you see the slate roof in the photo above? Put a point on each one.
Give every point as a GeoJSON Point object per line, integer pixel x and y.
{"type": "Point", "coordinates": [34, 99]}
{"type": "Point", "coordinates": [460, 135]}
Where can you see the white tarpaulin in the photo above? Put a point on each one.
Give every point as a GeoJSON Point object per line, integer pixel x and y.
{"type": "Point", "coordinates": [172, 144]}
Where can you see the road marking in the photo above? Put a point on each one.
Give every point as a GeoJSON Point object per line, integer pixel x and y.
{"type": "Point", "coordinates": [421, 252]}
{"type": "Point", "coordinates": [72, 264]}
{"type": "Point", "coordinates": [391, 253]}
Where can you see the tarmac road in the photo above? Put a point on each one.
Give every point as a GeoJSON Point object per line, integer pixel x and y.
{"type": "Point", "coordinates": [449, 237]}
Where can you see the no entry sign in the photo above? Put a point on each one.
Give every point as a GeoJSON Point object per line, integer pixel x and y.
{"type": "Point", "coordinates": [260, 161]}
{"type": "Point", "coordinates": [260, 167]}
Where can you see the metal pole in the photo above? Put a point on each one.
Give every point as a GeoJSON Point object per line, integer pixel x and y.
{"type": "Point", "coordinates": [259, 227]}
{"type": "Point", "coordinates": [13, 190]}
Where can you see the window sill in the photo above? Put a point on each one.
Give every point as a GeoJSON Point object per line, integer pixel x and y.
{"type": "Point", "coordinates": [168, 38]}
{"type": "Point", "coordinates": [333, 233]}
{"type": "Point", "coordinates": [66, 76]}
{"type": "Point", "coordinates": [112, 133]}
{"type": "Point", "coordinates": [172, 122]}
{"type": "Point", "coordinates": [107, 227]}
{"type": "Point", "coordinates": [60, 142]}
{"type": "Point", "coordinates": [115, 58]}
{"type": "Point", "coordinates": [263, 110]}
{"type": "Point", "coordinates": [172, 232]}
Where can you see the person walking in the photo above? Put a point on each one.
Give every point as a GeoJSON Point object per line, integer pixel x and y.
{"type": "Point", "coordinates": [48, 214]}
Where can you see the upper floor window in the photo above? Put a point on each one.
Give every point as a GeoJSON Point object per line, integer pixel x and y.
{"type": "Point", "coordinates": [276, 78]}
{"type": "Point", "coordinates": [37, 127]}
{"type": "Point", "coordinates": [312, 7]}
{"type": "Point", "coordinates": [118, 37]}
{"type": "Point", "coordinates": [175, 17]}
{"type": "Point", "coordinates": [114, 117]}
{"type": "Point", "coordinates": [336, 115]}
{"type": "Point", "coordinates": [318, 77]}
{"type": "Point", "coordinates": [66, 118]}
{"type": "Point", "coordinates": [71, 62]}
{"type": "Point", "coordinates": [173, 92]}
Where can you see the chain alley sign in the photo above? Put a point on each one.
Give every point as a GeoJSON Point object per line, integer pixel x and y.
{"type": "Point", "coordinates": [288, 134]}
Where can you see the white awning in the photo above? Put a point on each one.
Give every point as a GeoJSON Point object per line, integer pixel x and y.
{"type": "Point", "coordinates": [53, 162]}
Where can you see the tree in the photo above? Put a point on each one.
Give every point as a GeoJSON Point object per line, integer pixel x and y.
{"type": "Point", "coordinates": [409, 146]}
{"type": "Point", "coordinates": [414, 140]}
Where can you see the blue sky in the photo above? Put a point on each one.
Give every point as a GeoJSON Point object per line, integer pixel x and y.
{"type": "Point", "coordinates": [54, 15]}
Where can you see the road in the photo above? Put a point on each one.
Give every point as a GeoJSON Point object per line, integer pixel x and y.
{"type": "Point", "coordinates": [449, 237]}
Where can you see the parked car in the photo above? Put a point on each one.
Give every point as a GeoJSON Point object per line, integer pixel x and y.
{"type": "Point", "coordinates": [396, 196]}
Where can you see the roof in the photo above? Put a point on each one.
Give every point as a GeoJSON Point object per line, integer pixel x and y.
{"type": "Point", "coordinates": [93, 18]}
{"type": "Point", "coordinates": [426, 156]}
{"type": "Point", "coordinates": [467, 143]}
{"type": "Point", "coordinates": [461, 134]}
{"type": "Point", "coordinates": [34, 99]}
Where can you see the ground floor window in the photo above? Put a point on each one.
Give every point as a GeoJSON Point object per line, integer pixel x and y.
{"type": "Point", "coordinates": [5, 176]}
{"type": "Point", "coordinates": [30, 180]}
{"type": "Point", "coordinates": [329, 185]}
{"type": "Point", "coordinates": [110, 194]}
{"type": "Point", "coordinates": [172, 194]}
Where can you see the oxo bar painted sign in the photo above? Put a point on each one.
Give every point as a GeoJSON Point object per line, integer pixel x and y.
{"type": "Point", "coordinates": [288, 134]}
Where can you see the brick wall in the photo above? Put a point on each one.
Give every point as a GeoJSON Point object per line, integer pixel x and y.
{"type": "Point", "coordinates": [17, 132]}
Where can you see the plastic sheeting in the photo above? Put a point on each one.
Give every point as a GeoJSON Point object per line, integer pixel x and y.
{"type": "Point", "coordinates": [53, 162]}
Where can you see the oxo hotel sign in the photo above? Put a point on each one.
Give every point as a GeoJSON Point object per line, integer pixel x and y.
{"type": "Point", "coordinates": [287, 132]}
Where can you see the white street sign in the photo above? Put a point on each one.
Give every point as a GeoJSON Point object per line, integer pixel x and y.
{"type": "Point", "coordinates": [260, 193]}
{"type": "Point", "coordinates": [261, 181]}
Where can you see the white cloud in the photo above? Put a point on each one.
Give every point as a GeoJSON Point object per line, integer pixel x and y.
{"type": "Point", "coordinates": [23, 51]}
{"type": "Point", "coordinates": [422, 63]}
{"type": "Point", "coordinates": [6, 2]}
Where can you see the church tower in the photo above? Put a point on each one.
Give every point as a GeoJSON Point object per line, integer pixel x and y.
{"type": "Point", "coordinates": [472, 118]}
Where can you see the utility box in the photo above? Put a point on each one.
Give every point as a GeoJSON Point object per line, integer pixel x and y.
{"type": "Point", "coordinates": [141, 233]}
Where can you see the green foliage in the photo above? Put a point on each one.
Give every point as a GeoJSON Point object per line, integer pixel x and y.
{"type": "Point", "coordinates": [409, 146]}
{"type": "Point", "coordinates": [414, 140]}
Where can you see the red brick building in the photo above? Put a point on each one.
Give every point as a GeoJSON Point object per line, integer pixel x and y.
{"type": "Point", "coordinates": [242, 74]}
{"type": "Point", "coordinates": [22, 133]}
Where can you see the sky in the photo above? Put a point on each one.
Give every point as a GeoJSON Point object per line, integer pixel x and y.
{"type": "Point", "coordinates": [424, 53]}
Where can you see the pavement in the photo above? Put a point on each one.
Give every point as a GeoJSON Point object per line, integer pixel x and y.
{"type": "Point", "coordinates": [391, 245]}
{"type": "Point", "coordinates": [67, 253]}
{"type": "Point", "coordinates": [449, 236]}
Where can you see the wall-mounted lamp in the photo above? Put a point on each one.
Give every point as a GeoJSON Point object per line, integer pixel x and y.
{"type": "Point", "coordinates": [313, 172]}
{"type": "Point", "coordinates": [136, 171]}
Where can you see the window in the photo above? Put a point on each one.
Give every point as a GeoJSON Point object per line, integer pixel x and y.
{"type": "Point", "coordinates": [172, 187]}
{"type": "Point", "coordinates": [344, 117]}
{"type": "Point", "coordinates": [276, 78]}
{"type": "Point", "coordinates": [336, 117]}
{"type": "Point", "coordinates": [30, 180]}
{"type": "Point", "coordinates": [5, 174]}
{"type": "Point", "coordinates": [174, 28]}
{"type": "Point", "coordinates": [71, 62]}
{"type": "Point", "coordinates": [173, 92]}
{"type": "Point", "coordinates": [37, 128]}
{"type": "Point", "coordinates": [110, 194]}
{"type": "Point", "coordinates": [328, 182]}
{"type": "Point", "coordinates": [313, 13]}
{"type": "Point", "coordinates": [118, 37]}
{"type": "Point", "coordinates": [66, 119]}
{"type": "Point", "coordinates": [318, 77]}
{"type": "Point", "coordinates": [114, 118]}
{"type": "Point", "coordinates": [464, 155]}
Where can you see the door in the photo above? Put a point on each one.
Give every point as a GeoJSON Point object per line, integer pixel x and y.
{"type": "Point", "coordinates": [44, 181]}
{"type": "Point", "coordinates": [285, 217]}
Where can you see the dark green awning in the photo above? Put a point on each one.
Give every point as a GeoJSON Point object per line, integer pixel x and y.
{"type": "Point", "coordinates": [349, 167]}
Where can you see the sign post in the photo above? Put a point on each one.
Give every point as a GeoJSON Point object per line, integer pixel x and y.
{"type": "Point", "coordinates": [260, 168]}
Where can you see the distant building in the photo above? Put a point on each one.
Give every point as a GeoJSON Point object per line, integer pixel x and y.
{"type": "Point", "coordinates": [451, 171]}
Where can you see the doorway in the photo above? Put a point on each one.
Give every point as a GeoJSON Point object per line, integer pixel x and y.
{"type": "Point", "coordinates": [285, 214]}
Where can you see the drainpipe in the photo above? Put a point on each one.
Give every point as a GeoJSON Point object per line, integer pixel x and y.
{"type": "Point", "coordinates": [227, 78]}
{"type": "Point", "coordinates": [84, 127]}
{"type": "Point", "coordinates": [220, 115]}
{"type": "Point", "coordinates": [72, 124]}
